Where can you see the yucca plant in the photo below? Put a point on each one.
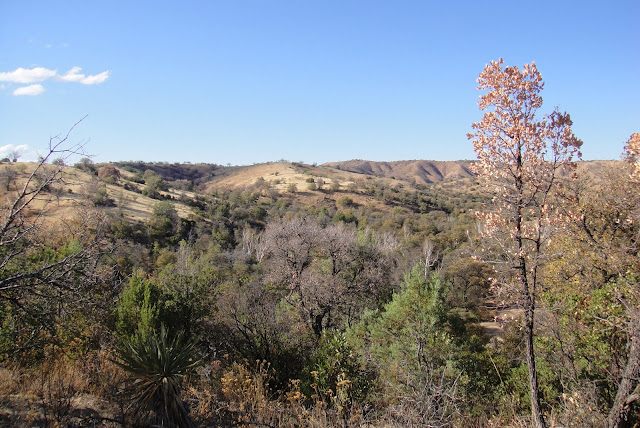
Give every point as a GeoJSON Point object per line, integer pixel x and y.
{"type": "Point", "coordinates": [157, 364]}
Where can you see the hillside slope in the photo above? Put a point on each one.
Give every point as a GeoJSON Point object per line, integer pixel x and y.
{"type": "Point", "coordinates": [418, 171]}
{"type": "Point", "coordinates": [78, 189]}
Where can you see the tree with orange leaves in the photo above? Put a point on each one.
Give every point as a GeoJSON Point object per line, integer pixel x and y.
{"type": "Point", "coordinates": [521, 159]}
{"type": "Point", "coordinates": [632, 154]}
{"type": "Point", "coordinates": [628, 384]}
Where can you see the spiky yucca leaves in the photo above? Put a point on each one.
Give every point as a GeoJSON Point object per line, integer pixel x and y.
{"type": "Point", "coordinates": [157, 364]}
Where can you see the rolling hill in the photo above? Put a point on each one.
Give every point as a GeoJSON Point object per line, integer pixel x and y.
{"type": "Point", "coordinates": [380, 185]}
{"type": "Point", "coordinates": [418, 171]}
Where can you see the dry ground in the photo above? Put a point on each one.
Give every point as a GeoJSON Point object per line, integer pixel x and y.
{"type": "Point", "coordinates": [495, 328]}
{"type": "Point", "coordinates": [281, 175]}
{"type": "Point", "coordinates": [74, 191]}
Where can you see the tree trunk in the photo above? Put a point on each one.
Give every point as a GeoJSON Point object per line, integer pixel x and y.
{"type": "Point", "coordinates": [529, 294]}
{"type": "Point", "coordinates": [316, 322]}
{"type": "Point", "coordinates": [536, 409]}
{"type": "Point", "coordinates": [629, 388]}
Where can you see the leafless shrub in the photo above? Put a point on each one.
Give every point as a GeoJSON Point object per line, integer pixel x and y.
{"type": "Point", "coordinates": [327, 273]}
{"type": "Point", "coordinates": [60, 383]}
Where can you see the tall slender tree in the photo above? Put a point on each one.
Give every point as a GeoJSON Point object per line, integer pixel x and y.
{"type": "Point", "coordinates": [521, 158]}
{"type": "Point", "coordinates": [628, 391]}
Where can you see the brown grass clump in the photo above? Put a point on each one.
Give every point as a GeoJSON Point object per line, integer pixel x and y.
{"type": "Point", "coordinates": [60, 392]}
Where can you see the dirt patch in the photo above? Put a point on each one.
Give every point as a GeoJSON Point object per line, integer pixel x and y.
{"type": "Point", "coordinates": [503, 317]}
{"type": "Point", "coordinates": [84, 410]}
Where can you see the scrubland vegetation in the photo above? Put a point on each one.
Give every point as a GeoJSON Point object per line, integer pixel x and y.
{"type": "Point", "coordinates": [336, 301]}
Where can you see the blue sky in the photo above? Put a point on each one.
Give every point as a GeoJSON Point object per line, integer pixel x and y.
{"type": "Point", "coordinates": [242, 82]}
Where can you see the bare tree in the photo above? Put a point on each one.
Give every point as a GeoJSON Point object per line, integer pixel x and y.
{"type": "Point", "coordinates": [17, 218]}
{"type": "Point", "coordinates": [109, 173]}
{"type": "Point", "coordinates": [430, 256]}
{"type": "Point", "coordinates": [33, 281]}
{"type": "Point", "coordinates": [328, 275]}
{"type": "Point", "coordinates": [250, 241]}
{"type": "Point", "coordinates": [14, 155]}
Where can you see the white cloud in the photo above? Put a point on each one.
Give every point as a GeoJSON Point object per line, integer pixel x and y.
{"type": "Point", "coordinates": [29, 90]}
{"type": "Point", "coordinates": [74, 75]}
{"type": "Point", "coordinates": [96, 78]}
{"type": "Point", "coordinates": [10, 148]}
{"type": "Point", "coordinates": [23, 75]}
{"type": "Point", "coordinates": [40, 74]}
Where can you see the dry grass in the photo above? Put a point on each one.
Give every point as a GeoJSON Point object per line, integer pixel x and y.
{"type": "Point", "coordinates": [240, 396]}
{"type": "Point", "coordinates": [89, 392]}
{"type": "Point", "coordinates": [74, 190]}
{"type": "Point", "coordinates": [281, 175]}
{"type": "Point", "coordinates": [58, 393]}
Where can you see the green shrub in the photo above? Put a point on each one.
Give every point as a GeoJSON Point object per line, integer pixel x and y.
{"type": "Point", "coordinates": [138, 309]}
{"type": "Point", "coordinates": [335, 362]}
{"type": "Point", "coordinates": [101, 198]}
{"type": "Point", "coordinates": [346, 217]}
{"type": "Point", "coordinates": [345, 201]}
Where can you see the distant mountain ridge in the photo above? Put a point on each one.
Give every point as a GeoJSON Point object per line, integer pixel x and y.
{"type": "Point", "coordinates": [418, 171]}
